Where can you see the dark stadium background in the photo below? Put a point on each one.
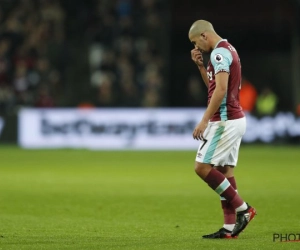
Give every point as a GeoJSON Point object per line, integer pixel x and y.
{"type": "Point", "coordinates": [265, 33]}
{"type": "Point", "coordinates": [262, 31]}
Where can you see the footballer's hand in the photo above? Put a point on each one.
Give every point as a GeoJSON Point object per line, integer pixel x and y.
{"type": "Point", "coordinates": [199, 130]}
{"type": "Point", "coordinates": [197, 57]}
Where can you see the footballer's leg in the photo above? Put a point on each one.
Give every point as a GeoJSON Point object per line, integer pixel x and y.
{"type": "Point", "coordinates": [228, 210]}
{"type": "Point", "coordinates": [220, 184]}
{"type": "Point", "coordinates": [214, 151]}
{"type": "Point", "coordinates": [243, 216]}
{"type": "Point", "coordinates": [235, 222]}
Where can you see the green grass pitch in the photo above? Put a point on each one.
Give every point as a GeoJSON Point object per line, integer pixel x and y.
{"type": "Point", "coordinates": [81, 199]}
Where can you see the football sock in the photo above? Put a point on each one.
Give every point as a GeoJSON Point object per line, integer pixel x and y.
{"type": "Point", "coordinates": [242, 207]}
{"type": "Point", "coordinates": [229, 226]}
{"type": "Point", "coordinates": [229, 211]}
{"type": "Point", "coordinates": [232, 182]}
{"type": "Point", "coordinates": [222, 186]}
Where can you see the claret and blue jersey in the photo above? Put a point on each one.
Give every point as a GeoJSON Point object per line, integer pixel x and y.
{"type": "Point", "coordinates": [224, 58]}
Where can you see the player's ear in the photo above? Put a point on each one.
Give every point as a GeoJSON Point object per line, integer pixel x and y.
{"type": "Point", "coordinates": [203, 35]}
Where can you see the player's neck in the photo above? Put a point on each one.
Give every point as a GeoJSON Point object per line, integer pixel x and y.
{"type": "Point", "coordinates": [215, 40]}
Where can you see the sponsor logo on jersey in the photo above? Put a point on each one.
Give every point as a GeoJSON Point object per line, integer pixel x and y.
{"type": "Point", "coordinates": [209, 75]}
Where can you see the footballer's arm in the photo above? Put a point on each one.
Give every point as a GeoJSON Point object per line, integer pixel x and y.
{"type": "Point", "coordinates": [198, 59]}
{"type": "Point", "coordinates": [203, 73]}
{"type": "Point", "coordinates": [217, 97]}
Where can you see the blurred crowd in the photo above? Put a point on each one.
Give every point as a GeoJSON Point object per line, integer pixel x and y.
{"type": "Point", "coordinates": [31, 54]}
{"type": "Point", "coordinates": [260, 102]}
{"type": "Point", "coordinates": [129, 52]}
{"type": "Point", "coordinates": [127, 43]}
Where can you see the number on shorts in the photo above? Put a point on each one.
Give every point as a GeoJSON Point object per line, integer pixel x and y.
{"type": "Point", "coordinates": [204, 142]}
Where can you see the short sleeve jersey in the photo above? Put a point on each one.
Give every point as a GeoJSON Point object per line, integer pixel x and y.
{"type": "Point", "coordinates": [224, 58]}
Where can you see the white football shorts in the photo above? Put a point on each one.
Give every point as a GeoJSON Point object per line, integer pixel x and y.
{"type": "Point", "coordinates": [222, 142]}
